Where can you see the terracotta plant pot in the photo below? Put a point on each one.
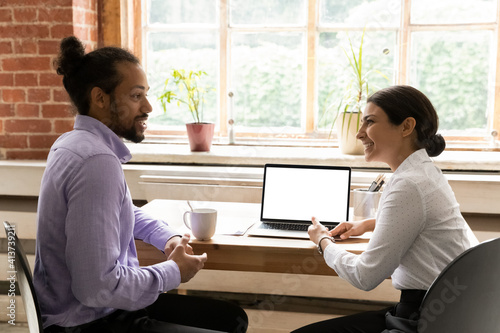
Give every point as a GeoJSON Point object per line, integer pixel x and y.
{"type": "Point", "coordinates": [200, 136]}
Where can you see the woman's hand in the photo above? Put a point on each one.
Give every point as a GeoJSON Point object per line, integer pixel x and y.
{"type": "Point", "coordinates": [316, 231]}
{"type": "Point", "coordinates": [356, 228]}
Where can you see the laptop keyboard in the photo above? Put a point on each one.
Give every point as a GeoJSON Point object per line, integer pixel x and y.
{"type": "Point", "coordinates": [285, 226]}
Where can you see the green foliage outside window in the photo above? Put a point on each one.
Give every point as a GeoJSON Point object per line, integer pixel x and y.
{"type": "Point", "coordinates": [452, 68]}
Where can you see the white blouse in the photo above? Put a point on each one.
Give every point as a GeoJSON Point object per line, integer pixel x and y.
{"type": "Point", "coordinates": [419, 230]}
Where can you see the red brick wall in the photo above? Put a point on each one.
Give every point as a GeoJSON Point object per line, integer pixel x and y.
{"type": "Point", "coordinates": [34, 107]}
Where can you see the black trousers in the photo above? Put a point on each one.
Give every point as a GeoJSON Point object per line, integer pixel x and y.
{"type": "Point", "coordinates": [170, 313]}
{"type": "Point", "coordinates": [370, 321]}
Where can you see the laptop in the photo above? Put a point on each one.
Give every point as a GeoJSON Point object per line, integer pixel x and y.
{"type": "Point", "coordinates": [293, 194]}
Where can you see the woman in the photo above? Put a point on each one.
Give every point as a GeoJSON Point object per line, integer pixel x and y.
{"type": "Point", "coordinates": [418, 229]}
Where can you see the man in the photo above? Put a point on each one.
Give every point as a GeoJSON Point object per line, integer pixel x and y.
{"type": "Point", "coordinates": [87, 276]}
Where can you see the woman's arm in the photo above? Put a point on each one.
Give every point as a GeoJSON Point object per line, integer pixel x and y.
{"type": "Point", "coordinates": [355, 228]}
{"type": "Point", "coordinates": [398, 224]}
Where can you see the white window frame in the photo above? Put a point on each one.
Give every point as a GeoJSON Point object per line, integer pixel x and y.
{"type": "Point", "coordinates": [312, 32]}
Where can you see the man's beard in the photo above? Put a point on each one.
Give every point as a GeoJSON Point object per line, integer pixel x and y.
{"type": "Point", "coordinates": [117, 127]}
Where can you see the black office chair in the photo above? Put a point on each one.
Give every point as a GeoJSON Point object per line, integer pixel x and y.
{"type": "Point", "coordinates": [465, 297]}
{"type": "Point", "coordinates": [24, 281]}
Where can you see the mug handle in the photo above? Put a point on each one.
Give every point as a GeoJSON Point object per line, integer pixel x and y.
{"type": "Point", "coordinates": [188, 224]}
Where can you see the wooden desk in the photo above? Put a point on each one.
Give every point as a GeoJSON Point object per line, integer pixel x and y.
{"type": "Point", "coordinates": [243, 253]}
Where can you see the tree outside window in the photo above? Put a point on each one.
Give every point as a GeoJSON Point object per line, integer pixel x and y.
{"type": "Point", "coordinates": [259, 50]}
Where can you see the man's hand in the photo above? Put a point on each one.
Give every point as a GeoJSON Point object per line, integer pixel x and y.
{"type": "Point", "coordinates": [172, 243]}
{"type": "Point", "coordinates": [356, 228]}
{"type": "Point", "coordinates": [189, 264]}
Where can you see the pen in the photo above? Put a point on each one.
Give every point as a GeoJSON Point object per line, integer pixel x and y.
{"type": "Point", "coordinates": [379, 185]}
{"type": "Point", "coordinates": [376, 182]}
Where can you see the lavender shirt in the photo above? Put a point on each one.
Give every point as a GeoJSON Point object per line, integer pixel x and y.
{"type": "Point", "coordinates": [86, 262]}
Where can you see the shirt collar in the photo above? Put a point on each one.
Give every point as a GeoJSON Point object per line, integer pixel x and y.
{"type": "Point", "coordinates": [416, 158]}
{"type": "Point", "coordinates": [105, 134]}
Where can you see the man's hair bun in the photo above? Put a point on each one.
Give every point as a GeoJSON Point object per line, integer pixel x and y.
{"type": "Point", "coordinates": [71, 56]}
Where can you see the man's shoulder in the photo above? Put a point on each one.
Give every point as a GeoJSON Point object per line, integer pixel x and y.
{"type": "Point", "coordinates": [82, 143]}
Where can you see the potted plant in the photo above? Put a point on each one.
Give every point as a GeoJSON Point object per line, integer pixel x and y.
{"type": "Point", "coordinates": [348, 108]}
{"type": "Point", "coordinates": [190, 93]}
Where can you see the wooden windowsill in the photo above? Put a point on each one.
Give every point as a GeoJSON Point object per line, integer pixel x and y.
{"type": "Point", "coordinates": [253, 155]}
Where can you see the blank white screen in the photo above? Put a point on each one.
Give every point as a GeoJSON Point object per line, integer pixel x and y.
{"type": "Point", "coordinates": [298, 194]}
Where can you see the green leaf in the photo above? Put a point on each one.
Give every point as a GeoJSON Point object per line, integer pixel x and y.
{"type": "Point", "coordinates": [357, 90]}
{"type": "Point", "coordinates": [190, 93]}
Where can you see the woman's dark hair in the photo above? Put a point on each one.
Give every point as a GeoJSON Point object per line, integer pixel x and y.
{"type": "Point", "coordinates": [82, 72]}
{"type": "Point", "coordinates": [400, 102]}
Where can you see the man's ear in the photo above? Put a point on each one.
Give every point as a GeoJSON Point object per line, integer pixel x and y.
{"type": "Point", "coordinates": [98, 98]}
{"type": "Point", "coordinates": [408, 126]}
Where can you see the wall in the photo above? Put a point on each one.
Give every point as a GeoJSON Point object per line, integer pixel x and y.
{"type": "Point", "coordinates": [34, 108]}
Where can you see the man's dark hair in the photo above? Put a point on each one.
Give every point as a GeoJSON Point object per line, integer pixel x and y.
{"type": "Point", "coordinates": [82, 72]}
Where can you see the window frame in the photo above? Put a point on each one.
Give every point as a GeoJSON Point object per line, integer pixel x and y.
{"type": "Point", "coordinates": [132, 20]}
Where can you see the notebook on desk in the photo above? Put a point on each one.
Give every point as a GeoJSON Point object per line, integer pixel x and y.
{"type": "Point", "coordinates": [292, 194]}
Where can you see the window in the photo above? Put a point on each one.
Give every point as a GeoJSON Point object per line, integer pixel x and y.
{"type": "Point", "coordinates": [284, 60]}
{"type": "Point", "coordinates": [452, 58]}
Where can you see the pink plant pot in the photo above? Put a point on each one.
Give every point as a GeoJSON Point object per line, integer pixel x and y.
{"type": "Point", "coordinates": [200, 136]}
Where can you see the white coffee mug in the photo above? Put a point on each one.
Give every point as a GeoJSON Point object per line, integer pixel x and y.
{"type": "Point", "coordinates": [201, 222]}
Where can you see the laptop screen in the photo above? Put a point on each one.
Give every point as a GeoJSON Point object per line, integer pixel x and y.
{"type": "Point", "coordinates": [298, 192]}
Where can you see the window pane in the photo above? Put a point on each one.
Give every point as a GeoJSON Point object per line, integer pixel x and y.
{"type": "Point", "coordinates": [189, 51]}
{"type": "Point", "coordinates": [335, 73]}
{"type": "Point", "coordinates": [268, 12]}
{"type": "Point", "coordinates": [268, 79]}
{"type": "Point", "coordinates": [453, 11]}
{"type": "Point", "coordinates": [452, 68]}
{"type": "Point", "coordinates": [182, 11]}
{"type": "Point", "coordinates": [360, 13]}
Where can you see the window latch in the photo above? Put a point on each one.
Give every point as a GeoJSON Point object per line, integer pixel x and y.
{"type": "Point", "coordinates": [494, 134]}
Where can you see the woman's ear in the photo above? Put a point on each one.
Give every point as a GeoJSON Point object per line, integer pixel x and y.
{"type": "Point", "coordinates": [408, 126]}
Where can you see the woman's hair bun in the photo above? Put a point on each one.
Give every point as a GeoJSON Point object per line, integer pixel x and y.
{"type": "Point", "coordinates": [435, 145]}
{"type": "Point", "coordinates": [71, 56]}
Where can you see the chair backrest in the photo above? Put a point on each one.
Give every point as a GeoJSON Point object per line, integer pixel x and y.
{"type": "Point", "coordinates": [465, 297]}
{"type": "Point", "coordinates": [24, 280]}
